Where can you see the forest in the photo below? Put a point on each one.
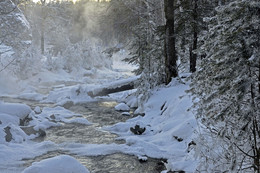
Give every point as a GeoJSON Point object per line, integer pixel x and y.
{"type": "Point", "coordinates": [195, 56]}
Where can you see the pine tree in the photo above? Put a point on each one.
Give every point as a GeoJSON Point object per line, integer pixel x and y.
{"type": "Point", "coordinates": [147, 48]}
{"type": "Point", "coordinates": [227, 89]}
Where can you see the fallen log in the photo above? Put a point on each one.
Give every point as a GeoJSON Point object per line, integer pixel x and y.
{"type": "Point", "coordinates": [106, 91]}
{"type": "Point", "coordinates": [114, 87]}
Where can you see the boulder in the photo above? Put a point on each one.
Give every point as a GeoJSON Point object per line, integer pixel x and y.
{"type": "Point", "coordinates": [122, 107]}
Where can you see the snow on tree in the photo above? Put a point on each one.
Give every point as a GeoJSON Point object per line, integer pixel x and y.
{"type": "Point", "coordinates": [15, 38]}
{"type": "Point", "coordinates": [147, 47]}
{"type": "Point", "coordinates": [15, 30]}
{"type": "Point", "coordinates": [227, 90]}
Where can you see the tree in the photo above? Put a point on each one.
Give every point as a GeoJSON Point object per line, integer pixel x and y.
{"type": "Point", "coordinates": [15, 35]}
{"type": "Point", "coordinates": [170, 50]}
{"type": "Point", "coordinates": [42, 25]}
{"type": "Point", "coordinates": [193, 55]}
{"type": "Point", "coordinates": [227, 88]}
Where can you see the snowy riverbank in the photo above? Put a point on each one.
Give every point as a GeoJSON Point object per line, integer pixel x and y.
{"type": "Point", "coordinates": [169, 126]}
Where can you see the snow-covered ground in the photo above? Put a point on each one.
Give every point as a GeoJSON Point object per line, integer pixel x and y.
{"type": "Point", "coordinates": [168, 128]}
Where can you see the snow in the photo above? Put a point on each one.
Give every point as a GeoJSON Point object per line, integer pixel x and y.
{"type": "Point", "coordinates": [63, 163]}
{"type": "Point", "coordinates": [10, 116]}
{"type": "Point", "coordinates": [12, 154]}
{"type": "Point", "coordinates": [166, 120]}
{"type": "Point", "coordinates": [126, 113]}
{"type": "Point", "coordinates": [37, 110]}
{"type": "Point", "coordinates": [115, 84]}
{"type": "Point", "coordinates": [6, 51]}
{"type": "Point", "coordinates": [122, 107]}
{"type": "Point", "coordinates": [31, 96]}
{"type": "Point", "coordinates": [49, 117]}
{"type": "Point", "coordinates": [15, 109]}
{"type": "Point", "coordinates": [170, 127]}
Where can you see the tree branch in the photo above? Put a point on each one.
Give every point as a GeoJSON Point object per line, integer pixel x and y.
{"type": "Point", "coordinates": [7, 65]}
{"type": "Point", "coordinates": [8, 12]}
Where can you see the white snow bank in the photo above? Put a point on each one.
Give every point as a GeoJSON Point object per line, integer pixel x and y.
{"type": "Point", "coordinates": [15, 109]}
{"type": "Point", "coordinates": [122, 107]}
{"type": "Point", "coordinates": [74, 94]}
{"type": "Point", "coordinates": [170, 128]}
{"type": "Point", "coordinates": [12, 154]}
{"type": "Point", "coordinates": [6, 119]}
{"type": "Point", "coordinates": [104, 149]}
{"type": "Point", "coordinates": [63, 163]}
{"type": "Point", "coordinates": [49, 117]}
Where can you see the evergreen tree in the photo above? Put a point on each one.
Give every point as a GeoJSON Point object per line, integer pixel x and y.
{"type": "Point", "coordinates": [227, 89]}
{"type": "Point", "coordinates": [147, 48]}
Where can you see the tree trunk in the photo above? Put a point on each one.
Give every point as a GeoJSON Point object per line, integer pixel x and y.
{"type": "Point", "coordinates": [42, 25]}
{"type": "Point", "coordinates": [42, 39]}
{"type": "Point", "coordinates": [170, 50]}
{"type": "Point", "coordinates": [193, 56]}
{"type": "Point", "coordinates": [259, 77]}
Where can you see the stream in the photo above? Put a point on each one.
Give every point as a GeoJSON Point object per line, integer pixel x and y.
{"type": "Point", "coordinates": [100, 113]}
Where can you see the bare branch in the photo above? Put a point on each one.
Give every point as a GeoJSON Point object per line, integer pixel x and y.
{"type": "Point", "coordinates": [244, 151]}
{"type": "Point", "coordinates": [5, 51]}
{"type": "Point", "coordinates": [7, 65]}
{"type": "Point", "coordinates": [8, 12]}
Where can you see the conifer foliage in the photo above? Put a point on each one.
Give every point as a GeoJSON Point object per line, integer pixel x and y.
{"type": "Point", "coordinates": [228, 91]}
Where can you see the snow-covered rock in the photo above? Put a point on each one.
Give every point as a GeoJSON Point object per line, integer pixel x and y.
{"type": "Point", "coordinates": [63, 163]}
{"type": "Point", "coordinates": [132, 101]}
{"type": "Point", "coordinates": [37, 110]}
{"type": "Point", "coordinates": [122, 107]}
{"type": "Point", "coordinates": [15, 109]}
{"type": "Point", "coordinates": [10, 117]}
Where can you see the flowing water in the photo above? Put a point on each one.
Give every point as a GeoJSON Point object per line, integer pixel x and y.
{"type": "Point", "coordinates": [100, 113]}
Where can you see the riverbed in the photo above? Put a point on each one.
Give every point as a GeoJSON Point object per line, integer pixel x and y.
{"type": "Point", "coordinates": [100, 113]}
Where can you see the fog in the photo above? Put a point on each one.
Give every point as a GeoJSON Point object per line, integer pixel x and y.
{"type": "Point", "coordinates": [60, 35]}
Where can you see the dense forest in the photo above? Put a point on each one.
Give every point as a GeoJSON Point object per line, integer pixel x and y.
{"type": "Point", "coordinates": [213, 45]}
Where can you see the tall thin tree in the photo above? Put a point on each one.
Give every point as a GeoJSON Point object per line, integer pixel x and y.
{"type": "Point", "coordinates": [170, 50]}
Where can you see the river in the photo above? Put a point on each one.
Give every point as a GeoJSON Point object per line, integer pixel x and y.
{"type": "Point", "coordinates": [99, 113]}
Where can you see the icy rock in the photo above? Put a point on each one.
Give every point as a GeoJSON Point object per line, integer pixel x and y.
{"type": "Point", "coordinates": [25, 121]}
{"type": "Point", "coordinates": [67, 104]}
{"type": "Point", "coordinates": [122, 107]}
{"type": "Point", "coordinates": [9, 135]}
{"type": "Point", "coordinates": [63, 163]}
{"type": "Point", "coordinates": [30, 130]}
{"type": "Point", "coordinates": [142, 159]}
{"type": "Point", "coordinates": [137, 130]}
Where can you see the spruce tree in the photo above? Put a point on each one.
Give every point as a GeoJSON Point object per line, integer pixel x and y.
{"type": "Point", "coordinates": [227, 89]}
